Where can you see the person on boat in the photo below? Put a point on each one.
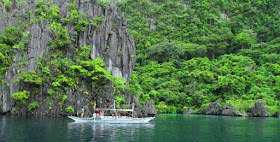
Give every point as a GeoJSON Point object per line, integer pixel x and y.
{"type": "Point", "coordinates": [102, 114]}
{"type": "Point", "coordinates": [82, 112]}
{"type": "Point", "coordinates": [94, 114]}
{"type": "Point", "coordinates": [97, 113]}
{"type": "Point", "coordinates": [120, 115]}
{"type": "Point", "coordinates": [114, 115]}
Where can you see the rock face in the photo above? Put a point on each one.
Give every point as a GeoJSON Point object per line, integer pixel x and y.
{"type": "Point", "coordinates": [150, 108]}
{"type": "Point", "coordinates": [214, 108]}
{"type": "Point", "coordinates": [111, 41]}
{"type": "Point", "coordinates": [259, 109]}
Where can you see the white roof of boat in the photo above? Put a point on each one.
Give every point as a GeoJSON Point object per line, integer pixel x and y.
{"type": "Point", "coordinates": [119, 109]}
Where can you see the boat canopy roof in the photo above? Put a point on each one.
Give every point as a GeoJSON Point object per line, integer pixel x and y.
{"type": "Point", "coordinates": [119, 109]}
{"type": "Point", "coordinates": [114, 108]}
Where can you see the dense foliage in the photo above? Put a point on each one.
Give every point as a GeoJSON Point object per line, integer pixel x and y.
{"type": "Point", "coordinates": [194, 52]}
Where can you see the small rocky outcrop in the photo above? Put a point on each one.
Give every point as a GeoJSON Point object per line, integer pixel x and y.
{"type": "Point", "coordinates": [214, 108]}
{"type": "Point", "coordinates": [150, 108]}
{"type": "Point", "coordinates": [230, 111]}
{"type": "Point", "coordinates": [139, 111]}
{"type": "Point", "coordinates": [259, 109]}
{"type": "Point", "coordinates": [188, 111]}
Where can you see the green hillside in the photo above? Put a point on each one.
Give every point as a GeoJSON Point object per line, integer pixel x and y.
{"type": "Point", "coordinates": [191, 53]}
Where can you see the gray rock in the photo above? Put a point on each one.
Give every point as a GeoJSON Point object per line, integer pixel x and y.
{"type": "Point", "coordinates": [149, 108]}
{"type": "Point", "coordinates": [259, 109]}
{"type": "Point", "coordinates": [246, 115]}
{"type": "Point", "coordinates": [230, 111]}
{"type": "Point", "coordinates": [277, 114]}
{"type": "Point", "coordinates": [228, 106]}
{"type": "Point", "coordinates": [139, 111]}
{"type": "Point", "coordinates": [188, 111]}
{"type": "Point", "coordinates": [214, 108]}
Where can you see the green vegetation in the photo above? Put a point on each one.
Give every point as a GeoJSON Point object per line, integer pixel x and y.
{"type": "Point", "coordinates": [21, 96]}
{"type": "Point", "coordinates": [8, 40]}
{"type": "Point", "coordinates": [10, 36]}
{"type": "Point", "coordinates": [30, 77]}
{"type": "Point", "coordinates": [79, 19]}
{"type": "Point", "coordinates": [192, 53]}
{"type": "Point", "coordinates": [103, 3]}
{"type": "Point", "coordinates": [7, 3]}
{"type": "Point", "coordinates": [60, 38]}
{"type": "Point", "coordinates": [70, 110]}
{"type": "Point", "coordinates": [32, 106]}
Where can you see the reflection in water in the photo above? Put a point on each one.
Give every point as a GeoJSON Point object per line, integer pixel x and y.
{"type": "Point", "coordinates": [109, 132]}
{"type": "Point", "coordinates": [215, 128]}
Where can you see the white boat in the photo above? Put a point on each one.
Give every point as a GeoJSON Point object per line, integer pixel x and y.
{"type": "Point", "coordinates": [113, 119]}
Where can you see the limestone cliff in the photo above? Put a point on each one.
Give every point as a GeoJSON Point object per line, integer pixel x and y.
{"type": "Point", "coordinates": [110, 41]}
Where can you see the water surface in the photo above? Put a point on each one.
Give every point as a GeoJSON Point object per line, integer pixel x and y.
{"type": "Point", "coordinates": [166, 127]}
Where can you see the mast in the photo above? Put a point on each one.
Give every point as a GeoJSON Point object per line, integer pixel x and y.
{"type": "Point", "coordinates": [114, 104]}
{"type": "Point", "coordinates": [115, 107]}
{"type": "Point", "coordinates": [132, 110]}
{"type": "Point", "coordinates": [94, 108]}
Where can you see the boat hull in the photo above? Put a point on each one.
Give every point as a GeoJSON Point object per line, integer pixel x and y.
{"type": "Point", "coordinates": [113, 120]}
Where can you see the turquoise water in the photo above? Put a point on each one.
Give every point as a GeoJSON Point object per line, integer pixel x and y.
{"type": "Point", "coordinates": [166, 128]}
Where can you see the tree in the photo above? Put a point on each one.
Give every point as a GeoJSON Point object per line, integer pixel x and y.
{"type": "Point", "coordinates": [165, 51]}
{"type": "Point", "coordinates": [242, 41]}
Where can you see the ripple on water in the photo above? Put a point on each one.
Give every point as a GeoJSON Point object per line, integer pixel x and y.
{"type": "Point", "coordinates": [108, 132]}
{"type": "Point", "coordinates": [164, 128]}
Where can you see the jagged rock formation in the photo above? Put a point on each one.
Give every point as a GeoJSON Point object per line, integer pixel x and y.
{"type": "Point", "coordinates": [111, 41]}
{"type": "Point", "coordinates": [259, 109]}
{"type": "Point", "coordinates": [214, 108]}
{"type": "Point", "coordinates": [139, 110]}
{"type": "Point", "coordinates": [230, 111]}
{"type": "Point", "coordinates": [150, 108]}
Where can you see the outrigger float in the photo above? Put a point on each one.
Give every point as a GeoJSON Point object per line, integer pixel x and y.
{"type": "Point", "coordinates": [113, 119]}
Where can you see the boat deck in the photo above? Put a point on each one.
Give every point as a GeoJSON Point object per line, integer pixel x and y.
{"type": "Point", "coordinates": [112, 120]}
